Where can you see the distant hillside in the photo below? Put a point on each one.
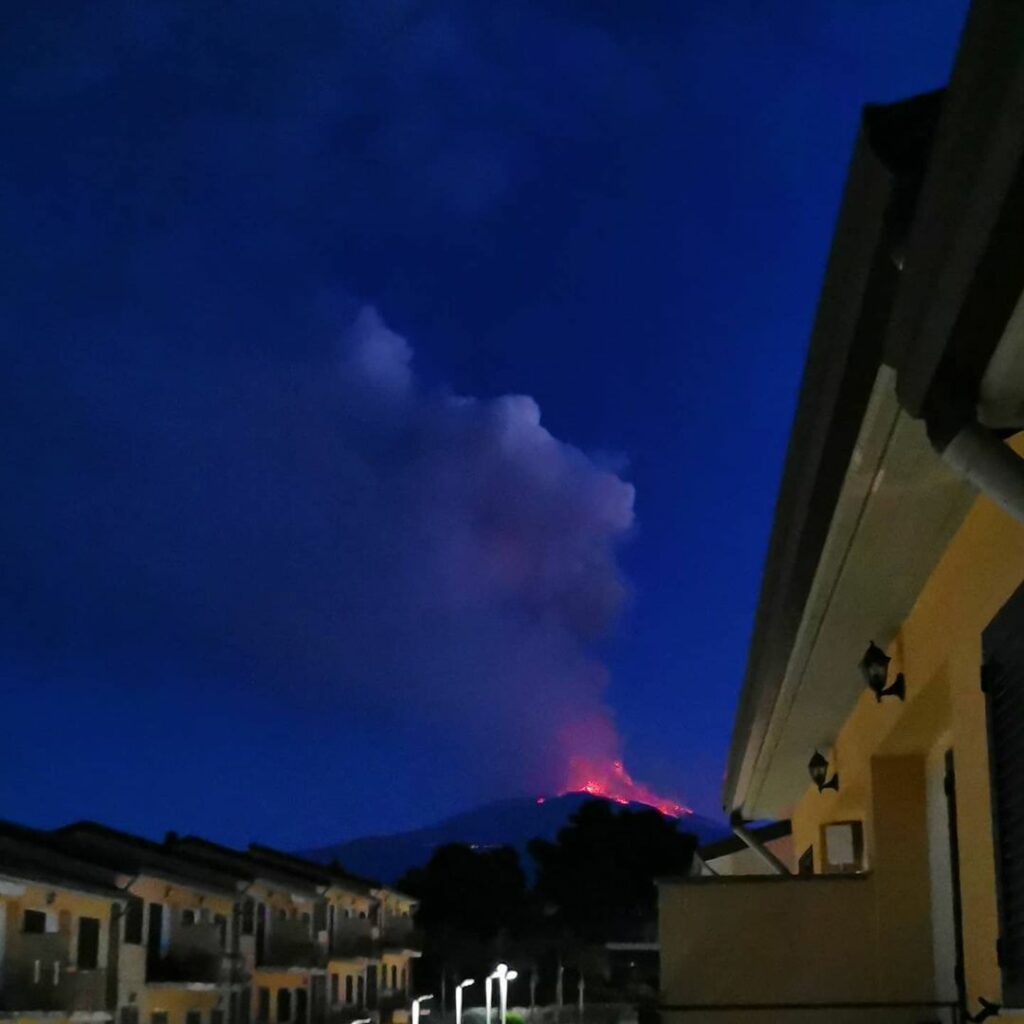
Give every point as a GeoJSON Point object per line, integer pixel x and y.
{"type": "Point", "coordinates": [502, 823]}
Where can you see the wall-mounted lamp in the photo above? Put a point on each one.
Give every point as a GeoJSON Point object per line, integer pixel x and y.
{"type": "Point", "coordinates": [874, 667]}
{"type": "Point", "coordinates": [817, 768]}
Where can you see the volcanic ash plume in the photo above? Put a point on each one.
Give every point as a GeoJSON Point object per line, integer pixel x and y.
{"type": "Point", "coordinates": [417, 566]}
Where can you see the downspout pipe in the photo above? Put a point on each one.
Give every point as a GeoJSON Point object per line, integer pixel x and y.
{"type": "Point", "coordinates": [741, 832]}
{"type": "Point", "coordinates": [979, 456]}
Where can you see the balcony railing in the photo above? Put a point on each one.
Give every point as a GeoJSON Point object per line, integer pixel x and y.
{"type": "Point", "coordinates": [400, 933]}
{"type": "Point", "coordinates": [392, 999]}
{"type": "Point", "coordinates": [821, 949]}
{"type": "Point", "coordinates": [52, 988]}
{"type": "Point", "coordinates": [352, 937]}
{"type": "Point", "coordinates": [195, 955]}
{"type": "Point", "coordinates": [290, 944]}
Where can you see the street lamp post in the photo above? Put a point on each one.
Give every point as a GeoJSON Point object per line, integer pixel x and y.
{"type": "Point", "coordinates": [503, 980]}
{"type": "Point", "coordinates": [496, 973]}
{"type": "Point", "coordinates": [416, 1007]}
{"type": "Point", "coordinates": [458, 998]}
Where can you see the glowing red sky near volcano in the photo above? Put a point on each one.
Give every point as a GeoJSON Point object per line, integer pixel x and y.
{"type": "Point", "coordinates": [609, 779]}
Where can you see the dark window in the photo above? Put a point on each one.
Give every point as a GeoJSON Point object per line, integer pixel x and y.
{"type": "Point", "coordinates": [348, 988]}
{"type": "Point", "coordinates": [216, 1017]}
{"type": "Point", "coordinates": [154, 935]}
{"type": "Point", "coordinates": [403, 979]}
{"type": "Point", "coordinates": [193, 1017]}
{"type": "Point", "coordinates": [319, 915]}
{"type": "Point", "coordinates": [88, 943]}
{"type": "Point", "coordinates": [263, 1005]}
{"type": "Point", "coordinates": [233, 1008]}
{"type": "Point", "coordinates": [261, 932]}
{"type": "Point", "coordinates": [805, 865]}
{"type": "Point", "coordinates": [128, 1015]}
{"type": "Point", "coordinates": [361, 990]}
{"type": "Point", "coordinates": [301, 1005]}
{"type": "Point", "coordinates": [188, 917]}
{"type": "Point", "coordinates": [33, 922]}
{"type": "Point", "coordinates": [160, 1017]}
{"type": "Point", "coordinates": [248, 917]}
{"type": "Point", "coordinates": [133, 915]}
{"type": "Point", "coordinates": [334, 989]}
{"type": "Point", "coordinates": [394, 976]}
{"type": "Point", "coordinates": [222, 928]}
{"type": "Point", "coordinates": [1003, 680]}
{"type": "Point", "coordinates": [284, 1005]}
{"type": "Point", "coordinates": [245, 1007]}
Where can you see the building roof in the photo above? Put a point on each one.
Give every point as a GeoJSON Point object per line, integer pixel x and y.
{"type": "Point", "coordinates": [33, 855]}
{"type": "Point", "coordinates": [842, 362]}
{"type": "Point", "coordinates": [132, 854]}
{"type": "Point", "coordinates": [242, 865]}
{"type": "Point", "coordinates": [915, 334]}
{"type": "Point", "coordinates": [323, 874]}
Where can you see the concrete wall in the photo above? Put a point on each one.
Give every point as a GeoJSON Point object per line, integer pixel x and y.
{"type": "Point", "coordinates": [775, 940]}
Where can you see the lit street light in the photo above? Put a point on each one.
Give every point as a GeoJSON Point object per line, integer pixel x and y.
{"type": "Point", "coordinates": [416, 1007]}
{"type": "Point", "coordinates": [458, 998]}
{"type": "Point", "coordinates": [496, 973]}
{"type": "Point", "coordinates": [505, 977]}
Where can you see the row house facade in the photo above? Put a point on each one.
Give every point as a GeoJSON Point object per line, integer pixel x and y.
{"type": "Point", "coordinates": [100, 925]}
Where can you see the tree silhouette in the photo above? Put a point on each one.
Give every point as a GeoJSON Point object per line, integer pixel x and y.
{"type": "Point", "coordinates": [597, 879]}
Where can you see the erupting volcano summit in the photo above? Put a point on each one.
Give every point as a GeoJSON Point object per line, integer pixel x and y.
{"type": "Point", "coordinates": [609, 779]}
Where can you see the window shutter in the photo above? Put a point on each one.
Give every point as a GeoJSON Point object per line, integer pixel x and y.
{"type": "Point", "coordinates": [1003, 679]}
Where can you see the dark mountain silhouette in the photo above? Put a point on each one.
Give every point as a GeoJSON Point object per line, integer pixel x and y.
{"type": "Point", "coordinates": [512, 822]}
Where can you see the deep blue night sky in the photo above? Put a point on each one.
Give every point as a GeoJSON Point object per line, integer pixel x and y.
{"type": "Point", "coordinates": [265, 575]}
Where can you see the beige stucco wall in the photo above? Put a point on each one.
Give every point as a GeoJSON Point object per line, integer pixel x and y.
{"type": "Point", "coordinates": [938, 648]}
{"type": "Point", "coordinates": [772, 939]}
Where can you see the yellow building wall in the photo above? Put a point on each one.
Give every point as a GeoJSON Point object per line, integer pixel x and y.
{"type": "Point", "coordinates": [401, 963]}
{"type": "Point", "coordinates": [274, 981]}
{"type": "Point", "coordinates": [55, 901]}
{"type": "Point", "coordinates": [938, 648]}
{"type": "Point", "coordinates": [177, 1001]}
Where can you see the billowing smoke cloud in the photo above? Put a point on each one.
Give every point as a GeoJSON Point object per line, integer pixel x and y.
{"type": "Point", "coordinates": [324, 530]}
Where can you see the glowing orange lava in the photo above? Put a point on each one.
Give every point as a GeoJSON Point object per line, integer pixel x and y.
{"type": "Point", "coordinates": [609, 779]}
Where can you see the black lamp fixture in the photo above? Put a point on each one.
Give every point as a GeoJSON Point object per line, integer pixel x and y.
{"type": "Point", "coordinates": [817, 768]}
{"type": "Point", "coordinates": [874, 666]}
